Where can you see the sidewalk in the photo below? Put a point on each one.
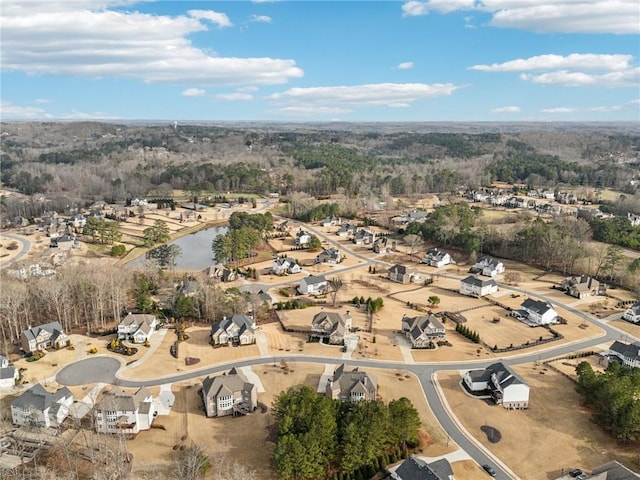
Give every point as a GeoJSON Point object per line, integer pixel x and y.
{"type": "Point", "coordinates": [155, 341]}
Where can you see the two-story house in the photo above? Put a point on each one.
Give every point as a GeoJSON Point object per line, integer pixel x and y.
{"type": "Point", "coordinates": [137, 327]}
{"type": "Point", "coordinates": [488, 266]}
{"type": "Point", "coordinates": [423, 331]}
{"type": "Point", "coordinates": [347, 230]}
{"type": "Point", "coordinates": [401, 274]}
{"type": "Point", "coordinates": [235, 330]}
{"type": "Point", "coordinates": [330, 327]}
{"type": "Point", "coordinates": [313, 285]}
{"type": "Point", "coordinates": [535, 312]}
{"type": "Point", "coordinates": [476, 287]}
{"type": "Point", "coordinates": [414, 468]}
{"type": "Point", "coordinates": [434, 257]}
{"type": "Point", "coordinates": [331, 256]}
{"type": "Point", "coordinates": [632, 314]}
{"type": "Point", "coordinates": [229, 394]}
{"type": "Point", "coordinates": [8, 374]}
{"type": "Point", "coordinates": [351, 385]}
{"type": "Point", "coordinates": [331, 221]}
{"type": "Point", "coordinates": [302, 238]}
{"type": "Point", "coordinates": [41, 408]}
{"type": "Point", "coordinates": [285, 266]}
{"type": "Point", "coordinates": [628, 354]}
{"type": "Point", "coordinates": [119, 411]}
{"type": "Point", "coordinates": [49, 335]}
{"type": "Point", "coordinates": [582, 286]}
{"type": "Point", "coordinates": [505, 386]}
{"type": "Point", "coordinates": [363, 237]}
{"type": "Point", "coordinates": [222, 273]}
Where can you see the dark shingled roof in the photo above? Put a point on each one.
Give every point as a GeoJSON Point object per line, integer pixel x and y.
{"type": "Point", "coordinates": [416, 469]}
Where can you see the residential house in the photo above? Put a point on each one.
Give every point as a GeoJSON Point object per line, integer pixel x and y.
{"type": "Point", "coordinates": [330, 327]}
{"type": "Point", "coordinates": [8, 375]}
{"type": "Point", "coordinates": [313, 285]}
{"type": "Point", "coordinates": [139, 202]}
{"type": "Point", "coordinates": [64, 242]}
{"type": "Point", "coordinates": [229, 394]}
{"type": "Point", "coordinates": [535, 312]}
{"type": "Point", "coordinates": [119, 411]}
{"type": "Point", "coordinates": [283, 226]}
{"type": "Point", "coordinates": [628, 354]}
{"type": "Point", "coordinates": [434, 257]}
{"type": "Point", "coordinates": [49, 335]}
{"type": "Point", "coordinates": [41, 408]}
{"type": "Point", "coordinates": [423, 331]}
{"type": "Point", "coordinates": [265, 298]}
{"type": "Point", "coordinates": [347, 230]}
{"type": "Point", "coordinates": [613, 471]}
{"type": "Point", "coordinates": [476, 287]}
{"type": "Point", "coordinates": [235, 330]}
{"type": "Point", "coordinates": [137, 327]}
{"type": "Point", "coordinates": [332, 256]}
{"type": "Point", "coordinates": [351, 385]}
{"type": "Point", "coordinates": [582, 286]}
{"type": "Point", "coordinates": [364, 237]}
{"type": "Point", "coordinates": [331, 221]}
{"type": "Point", "coordinates": [401, 274]}
{"type": "Point", "coordinates": [632, 314]}
{"type": "Point", "coordinates": [285, 266]}
{"type": "Point", "coordinates": [505, 386]}
{"type": "Point", "coordinates": [634, 219]}
{"type": "Point", "coordinates": [488, 266]}
{"type": "Point", "coordinates": [77, 221]}
{"type": "Point", "coordinates": [302, 238]}
{"type": "Point", "coordinates": [222, 273]}
{"type": "Point", "coordinates": [414, 468]}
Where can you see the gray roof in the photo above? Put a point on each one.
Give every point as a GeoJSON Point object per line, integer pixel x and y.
{"type": "Point", "coordinates": [615, 471]}
{"type": "Point", "coordinates": [416, 469]}
{"type": "Point", "coordinates": [233, 381]}
{"type": "Point", "coordinates": [354, 380]}
{"type": "Point", "coordinates": [54, 328]}
{"type": "Point", "coordinates": [504, 375]}
{"type": "Point", "coordinates": [7, 372]}
{"type": "Point", "coordinates": [487, 260]}
{"type": "Point", "coordinates": [244, 322]}
{"type": "Point", "coordinates": [536, 306]}
{"type": "Point", "coordinates": [631, 351]}
{"type": "Point", "coordinates": [38, 398]}
{"type": "Point", "coordinates": [635, 308]}
{"type": "Point", "coordinates": [472, 280]}
{"type": "Point", "coordinates": [121, 401]}
{"type": "Point", "coordinates": [314, 279]}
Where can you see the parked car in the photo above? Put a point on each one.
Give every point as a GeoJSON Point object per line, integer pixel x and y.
{"type": "Point", "coordinates": [489, 469]}
{"type": "Point", "coordinates": [575, 473]}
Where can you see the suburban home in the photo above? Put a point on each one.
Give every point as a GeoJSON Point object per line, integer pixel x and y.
{"type": "Point", "coordinates": [613, 471]}
{"type": "Point", "coordinates": [64, 242]}
{"type": "Point", "coordinates": [535, 312]}
{"type": "Point", "coordinates": [77, 221]}
{"type": "Point", "coordinates": [417, 216]}
{"type": "Point", "coordinates": [632, 314]}
{"type": "Point", "coordinates": [476, 287]}
{"type": "Point", "coordinates": [332, 256]}
{"type": "Point", "coordinates": [235, 330]}
{"type": "Point", "coordinates": [283, 226]}
{"type": "Point", "coordinates": [488, 266]}
{"type": "Point", "coordinates": [8, 374]}
{"type": "Point", "coordinates": [582, 286]}
{"type": "Point", "coordinates": [265, 298]}
{"type": "Point", "coordinates": [347, 230]}
{"type": "Point", "coordinates": [634, 219]}
{"type": "Point", "coordinates": [331, 221]}
{"type": "Point", "coordinates": [229, 394]}
{"type": "Point", "coordinates": [222, 273]}
{"type": "Point", "coordinates": [41, 408]}
{"type": "Point", "coordinates": [49, 335]}
{"type": "Point", "coordinates": [302, 238]}
{"type": "Point", "coordinates": [313, 285]}
{"type": "Point", "coordinates": [364, 237]}
{"type": "Point", "coordinates": [423, 331]}
{"type": "Point", "coordinates": [414, 468]}
{"type": "Point", "coordinates": [505, 386]}
{"type": "Point", "coordinates": [285, 266]}
{"type": "Point", "coordinates": [137, 327]}
{"type": "Point", "coordinates": [434, 257]}
{"type": "Point", "coordinates": [330, 327]}
{"type": "Point", "coordinates": [351, 385]}
{"type": "Point", "coordinates": [628, 354]}
{"type": "Point", "coordinates": [119, 411]}
{"type": "Point", "coordinates": [401, 274]}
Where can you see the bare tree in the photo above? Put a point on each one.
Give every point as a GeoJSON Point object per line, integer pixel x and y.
{"type": "Point", "coordinates": [192, 463]}
{"type": "Point", "coordinates": [335, 285]}
{"type": "Point", "coordinates": [414, 242]}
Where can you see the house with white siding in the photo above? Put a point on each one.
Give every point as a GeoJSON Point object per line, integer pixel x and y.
{"type": "Point", "coordinates": [632, 314]}
{"type": "Point", "coordinates": [235, 330]}
{"type": "Point", "coordinates": [473, 286]}
{"type": "Point", "coordinates": [351, 385]}
{"type": "Point", "coordinates": [628, 354]}
{"type": "Point", "coordinates": [313, 285]}
{"type": "Point", "coordinates": [505, 386]}
{"type": "Point", "coordinates": [137, 327]}
{"type": "Point", "coordinates": [119, 411]}
{"type": "Point", "coordinates": [38, 407]}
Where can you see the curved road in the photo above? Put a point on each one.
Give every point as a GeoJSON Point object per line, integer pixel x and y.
{"type": "Point", "coordinates": [425, 372]}
{"type": "Point", "coordinates": [26, 245]}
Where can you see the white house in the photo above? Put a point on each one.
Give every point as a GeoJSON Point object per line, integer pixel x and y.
{"type": "Point", "coordinates": [634, 219]}
{"type": "Point", "coordinates": [38, 407]}
{"type": "Point", "coordinates": [235, 330]}
{"type": "Point", "coordinates": [505, 386]}
{"type": "Point", "coordinates": [435, 257]}
{"type": "Point", "coordinates": [119, 411]}
{"type": "Point", "coordinates": [8, 374]}
{"type": "Point", "coordinates": [331, 256]}
{"type": "Point", "coordinates": [331, 221]}
{"type": "Point", "coordinates": [476, 287]}
{"type": "Point", "coordinates": [285, 266]}
{"type": "Point", "coordinates": [488, 266]}
{"type": "Point", "coordinates": [137, 327]}
{"type": "Point", "coordinates": [632, 314]}
{"type": "Point", "coordinates": [414, 468]}
{"type": "Point", "coordinates": [313, 285]}
{"type": "Point", "coordinates": [629, 354]}
{"type": "Point", "coordinates": [537, 312]}
{"type": "Point", "coordinates": [302, 238]}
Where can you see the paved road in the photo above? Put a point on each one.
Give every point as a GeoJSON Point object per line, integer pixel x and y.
{"type": "Point", "coordinates": [25, 246]}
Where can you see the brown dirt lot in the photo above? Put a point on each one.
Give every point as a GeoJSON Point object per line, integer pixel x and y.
{"type": "Point", "coordinates": [633, 329]}
{"type": "Point", "coordinates": [554, 433]}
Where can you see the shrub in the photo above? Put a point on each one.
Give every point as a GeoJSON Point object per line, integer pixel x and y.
{"type": "Point", "coordinates": [118, 250]}
{"type": "Point", "coordinates": [93, 350]}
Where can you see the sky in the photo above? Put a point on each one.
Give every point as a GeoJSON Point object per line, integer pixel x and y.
{"type": "Point", "coordinates": [320, 61]}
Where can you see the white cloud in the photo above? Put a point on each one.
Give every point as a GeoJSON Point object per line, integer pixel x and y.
{"type": "Point", "coordinates": [405, 65]}
{"type": "Point", "coordinates": [509, 109]}
{"type": "Point", "coordinates": [10, 111]}
{"type": "Point", "coordinates": [260, 19]}
{"type": "Point", "coordinates": [610, 108]}
{"type": "Point", "coordinates": [582, 61]}
{"type": "Point", "coordinates": [41, 101]}
{"type": "Point", "coordinates": [263, 1]}
{"type": "Point", "coordinates": [559, 110]}
{"type": "Point", "coordinates": [217, 18]}
{"type": "Point", "coordinates": [193, 92]}
{"type": "Point", "coordinates": [91, 41]}
{"type": "Point", "coordinates": [635, 102]}
{"type": "Point", "coordinates": [250, 88]}
{"type": "Point", "coordinates": [629, 78]}
{"type": "Point", "coordinates": [566, 16]}
{"type": "Point", "coordinates": [309, 110]}
{"type": "Point", "coordinates": [364, 95]}
{"type": "Point", "coordinates": [232, 97]}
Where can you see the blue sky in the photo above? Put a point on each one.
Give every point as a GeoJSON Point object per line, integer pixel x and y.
{"type": "Point", "coordinates": [432, 60]}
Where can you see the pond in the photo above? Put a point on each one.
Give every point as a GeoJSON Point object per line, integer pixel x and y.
{"type": "Point", "coordinates": [196, 250]}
